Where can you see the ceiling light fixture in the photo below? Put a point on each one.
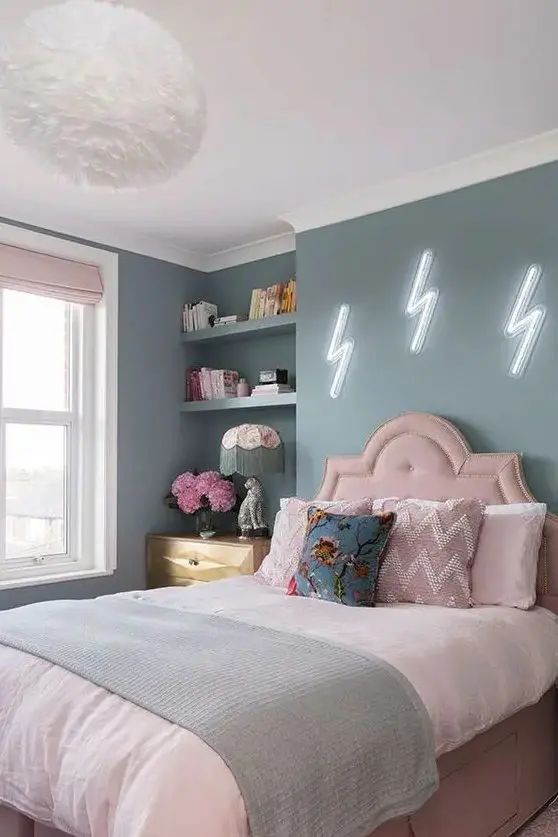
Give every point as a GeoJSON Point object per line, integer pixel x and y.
{"type": "Point", "coordinates": [102, 93]}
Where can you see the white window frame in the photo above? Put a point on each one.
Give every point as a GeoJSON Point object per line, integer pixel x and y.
{"type": "Point", "coordinates": [92, 459]}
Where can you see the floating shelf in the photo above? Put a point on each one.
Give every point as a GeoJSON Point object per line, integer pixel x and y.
{"type": "Point", "coordinates": [249, 403]}
{"type": "Point", "coordinates": [246, 330]}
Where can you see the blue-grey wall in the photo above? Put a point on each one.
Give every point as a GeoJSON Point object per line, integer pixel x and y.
{"type": "Point", "coordinates": [483, 237]}
{"type": "Point", "coordinates": [154, 439]}
{"type": "Point", "coordinates": [231, 290]}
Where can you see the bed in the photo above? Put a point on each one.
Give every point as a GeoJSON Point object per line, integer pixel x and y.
{"type": "Point", "coordinates": [127, 773]}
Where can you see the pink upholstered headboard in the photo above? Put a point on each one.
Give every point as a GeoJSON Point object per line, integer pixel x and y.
{"type": "Point", "coordinates": [425, 456]}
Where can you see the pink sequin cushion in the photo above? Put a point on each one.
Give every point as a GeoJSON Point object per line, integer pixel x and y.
{"type": "Point", "coordinates": [289, 531]}
{"type": "Point", "coordinates": [430, 552]}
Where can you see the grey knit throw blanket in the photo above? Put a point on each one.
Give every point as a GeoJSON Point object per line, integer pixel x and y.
{"type": "Point", "coordinates": [320, 740]}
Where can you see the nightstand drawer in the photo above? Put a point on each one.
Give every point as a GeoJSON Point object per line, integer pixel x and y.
{"type": "Point", "coordinates": [175, 581]}
{"type": "Point", "coordinates": [183, 560]}
{"type": "Point", "coordinates": [198, 568]}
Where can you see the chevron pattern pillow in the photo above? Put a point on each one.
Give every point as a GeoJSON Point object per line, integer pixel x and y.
{"type": "Point", "coordinates": [430, 552]}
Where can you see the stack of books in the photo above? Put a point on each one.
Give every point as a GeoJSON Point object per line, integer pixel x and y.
{"type": "Point", "coordinates": [277, 299]}
{"type": "Point", "coordinates": [229, 319]}
{"type": "Point", "coordinates": [198, 315]}
{"type": "Point", "coordinates": [205, 384]}
{"type": "Point", "coordinates": [271, 389]}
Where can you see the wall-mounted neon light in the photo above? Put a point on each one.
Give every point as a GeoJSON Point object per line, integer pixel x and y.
{"type": "Point", "coordinates": [340, 351]}
{"type": "Point", "coordinates": [522, 321]}
{"type": "Point", "coordinates": [422, 303]}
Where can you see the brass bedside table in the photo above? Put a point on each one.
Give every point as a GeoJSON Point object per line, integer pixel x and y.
{"type": "Point", "coordinates": [184, 560]}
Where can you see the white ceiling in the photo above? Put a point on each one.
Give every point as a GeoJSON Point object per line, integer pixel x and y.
{"type": "Point", "coordinates": [311, 99]}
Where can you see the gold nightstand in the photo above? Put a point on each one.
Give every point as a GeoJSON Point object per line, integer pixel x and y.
{"type": "Point", "coordinates": [184, 560]}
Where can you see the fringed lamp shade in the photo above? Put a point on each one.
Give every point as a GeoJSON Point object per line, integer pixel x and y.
{"type": "Point", "coordinates": [251, 450]}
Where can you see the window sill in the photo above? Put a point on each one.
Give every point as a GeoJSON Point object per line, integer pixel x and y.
{"type": "Point", "coordinates": [35, 581]}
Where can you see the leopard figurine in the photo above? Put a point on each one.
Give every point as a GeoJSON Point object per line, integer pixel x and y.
{"type": "Point", "coordinates": [250, 515]}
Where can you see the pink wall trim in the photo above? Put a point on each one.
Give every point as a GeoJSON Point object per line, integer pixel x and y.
{"type": "Point", "coordinates": [425, 456]}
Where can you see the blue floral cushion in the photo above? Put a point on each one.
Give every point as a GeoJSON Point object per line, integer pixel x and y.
{"type": "Point", "coordinates": [341, 557]}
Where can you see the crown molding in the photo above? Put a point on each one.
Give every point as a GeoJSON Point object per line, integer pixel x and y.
{"type": "Point", "coordinates": [132, 241]}
{"type": "Point", "coordinates": [488, 165]}
{"type": "Point", "coordinates": [113, 238]}
{"type": "Point", "coordinates": [497, 162]}
{"type": "Point", "coordinates": [275, 245]}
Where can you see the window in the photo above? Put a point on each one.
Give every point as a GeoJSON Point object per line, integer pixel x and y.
{"type": "Point", "coordinates": [57, 428]}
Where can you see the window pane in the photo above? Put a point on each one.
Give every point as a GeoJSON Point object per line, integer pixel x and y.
{"type": "Point", "coordinates": [35, 351]}
{"type": "Point", "coordinates": [35, 490]}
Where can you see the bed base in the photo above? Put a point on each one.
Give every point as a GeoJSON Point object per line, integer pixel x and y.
{"type": "Point", "coordinates": [489, 787]}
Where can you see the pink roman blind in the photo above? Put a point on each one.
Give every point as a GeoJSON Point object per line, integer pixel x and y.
{"type": "Point", "coordinates": [40, 273]}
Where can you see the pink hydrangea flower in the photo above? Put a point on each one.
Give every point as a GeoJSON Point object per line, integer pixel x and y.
{"type": "Point", "coordinates": [183, 482]}
{"type": "Point", "coordinates": [207, 479]}
{"type": "Point", "coordinates": [222, 496]}
{"type": "Point", "coordinates": [196, 491]}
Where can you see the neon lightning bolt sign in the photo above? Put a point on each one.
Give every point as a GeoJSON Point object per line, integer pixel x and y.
{"type": "Point", "coordinates": [340, 351]}
{"type": "Point", "coordinates": [422, 303]}
{"type": "Point", "coordinates": [525, 322]}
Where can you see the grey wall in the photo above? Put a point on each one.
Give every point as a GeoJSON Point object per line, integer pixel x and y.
{"type": "Point", "coordinates": [483, 237]}
{"type": "Point", "coordinates": [154, 439]}
{"type": "Point", "coordinates": [231, 290]}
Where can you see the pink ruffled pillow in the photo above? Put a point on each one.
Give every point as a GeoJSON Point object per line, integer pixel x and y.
{"type": "Point", "coordinates": [430, 552]}
{"type": "Point", "coordinates": [289, 531]}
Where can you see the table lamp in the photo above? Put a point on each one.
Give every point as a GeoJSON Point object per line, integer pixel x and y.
{"type": "Point", "coordinates": [252, 450]}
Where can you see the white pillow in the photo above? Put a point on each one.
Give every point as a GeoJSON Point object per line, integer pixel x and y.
{"type": "Point", "coordinates": [504, 571]}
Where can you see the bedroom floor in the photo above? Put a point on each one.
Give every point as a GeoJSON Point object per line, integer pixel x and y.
{"type": "Point", "coordinates": [545, 825]}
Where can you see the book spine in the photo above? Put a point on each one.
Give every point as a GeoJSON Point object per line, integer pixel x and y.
{"type": "Point", "coordinates": [254, 300]}
{"type": "Point", "coordinates": [205, 384]}
{"type": "Point", "coordinates": [269, 301]}
{"type": "Point", "coordinates": [227, 383]}
{"type": "Point", "coordinates": [277, 299]}
{"type": "Point", "coordinates": [261, 303]}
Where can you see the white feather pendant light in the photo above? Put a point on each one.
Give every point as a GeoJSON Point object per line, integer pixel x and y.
{"type": "Point", "coordinates": [102, 93]}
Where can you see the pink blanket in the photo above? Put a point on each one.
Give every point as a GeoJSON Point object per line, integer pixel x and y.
{"type": "Point", "coordinates": [74, 756]}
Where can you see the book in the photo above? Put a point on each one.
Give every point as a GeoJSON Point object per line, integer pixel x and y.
{"type": "Point", "coordinates": [261, 303]}
{"type": "Point", "coordinates": [205, 310]}
{"type": "Point", "coordinates": [254, 304]}
{"type": "Point", "coordinates": [291, 296]}
{"type": "Point", "coordinates": [231, 318]}
{"type": "Point", "coordinates": [230, 383]}
{"type": "Point", "coordinates": [198, 315]}
{"type": "Point", "coordinates": [268, 309]}
{"type": "Point", "coordinates": [277, 298]}
{"type": "Point", "coordinates": [206, 384]}
{"type": "Point", "coordinates": [271, 389]}
{"type": "Point", "coordinates": [193, 390]}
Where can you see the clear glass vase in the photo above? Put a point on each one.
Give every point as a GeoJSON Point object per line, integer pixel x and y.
{"type": "Point", "coordinates": [204, 523]}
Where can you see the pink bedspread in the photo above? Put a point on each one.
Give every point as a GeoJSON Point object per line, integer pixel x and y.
{"type": "Point", "coordinates": [74, 756]}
